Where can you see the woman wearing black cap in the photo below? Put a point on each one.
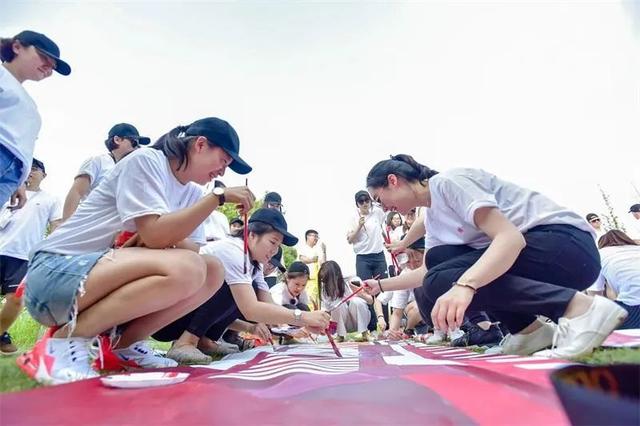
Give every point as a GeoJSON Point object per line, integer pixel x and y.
{"type": "Point", "coordinates": [244, 292]}
{"type": "Point", "coordinates": [497, 247]}
{"type": "Point", "coordinates": [78, 283]}
{"type": "Point", "coordinates": [27, 56]}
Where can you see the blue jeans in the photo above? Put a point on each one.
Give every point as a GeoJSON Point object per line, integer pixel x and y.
{"type": "Point", "coordinates": [10, 174]}
{"type": "Point", "coordinates": [54, 282]}
{"type": "Point", "coordinates": [557, 261]}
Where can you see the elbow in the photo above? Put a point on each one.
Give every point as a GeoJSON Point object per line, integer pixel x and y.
{"type": "Point", "coordinates": [518, 240]}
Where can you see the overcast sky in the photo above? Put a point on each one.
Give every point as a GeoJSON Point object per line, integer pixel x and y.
{"type": "Point", "coordinates": [545, 94]}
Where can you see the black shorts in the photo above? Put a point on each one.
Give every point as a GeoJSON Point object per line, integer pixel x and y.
{"type": "Point", "coordinates": [12, 271]}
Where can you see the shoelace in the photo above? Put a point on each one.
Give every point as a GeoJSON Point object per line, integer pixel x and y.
{"type": "Point", "coordinates": [561, 332]}
{"type": "Point", "coordinates": [95, 350]}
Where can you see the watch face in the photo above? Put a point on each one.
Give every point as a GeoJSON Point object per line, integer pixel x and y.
{"type": "Point", "coordinates": [218, 191]}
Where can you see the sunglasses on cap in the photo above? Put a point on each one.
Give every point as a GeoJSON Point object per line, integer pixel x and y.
{"type": "Point", "coordinates": [363, 200]}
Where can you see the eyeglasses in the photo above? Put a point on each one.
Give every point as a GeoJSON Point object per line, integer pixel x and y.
{"type": "Point", "coordinates": [596, 219]}
{"type": "Point", "coordinates": [363, 201]}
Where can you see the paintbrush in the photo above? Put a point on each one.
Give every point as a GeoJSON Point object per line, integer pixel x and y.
{"type": "Point", "coordinates": [246, 233]}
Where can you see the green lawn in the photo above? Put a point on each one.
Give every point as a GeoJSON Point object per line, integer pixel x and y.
{"type": "Point", "coordinates": [25, 332]}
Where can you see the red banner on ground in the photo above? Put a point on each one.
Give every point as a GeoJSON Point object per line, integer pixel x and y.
{"type": "Point", "coordinates": [382, 383]}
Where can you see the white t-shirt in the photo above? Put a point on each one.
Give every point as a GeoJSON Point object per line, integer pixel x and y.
{"type": "Point", "coordinates": [19, 120]}
{"type": "Point", "coordinates": [304, 250]}
{"type": "Point", "coordinates": [29, 224]}
{"type": "Point", "coordinates": [281, 295]}
{"type": "Point", "coordinates": [369, 238]}
{"type": "Point", "coordinates": [621, 269]}
{"type": "Point", "coordinates": [97, 168]}
{"type": "Point", "coordinates": [456, 195]}
{"type": "Point", "coordinates": [328, 304]}
{"type": "Point", "coordinates": [141, 184]}
{"type": "Point", "coordinates": [230, 251]}
{"type": "Point", "coordinates": [216, 226]}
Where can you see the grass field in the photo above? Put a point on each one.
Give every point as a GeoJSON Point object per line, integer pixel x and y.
{"type": "Point", "coordinates": [25, 332]}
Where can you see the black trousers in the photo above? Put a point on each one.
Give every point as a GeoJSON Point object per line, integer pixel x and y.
{"type": "Point", "coordinates": [557, 261]}
{"type": "Point", "coordinates": [211, 319]}
{"type": "Point", "coordinates": [370, 266]}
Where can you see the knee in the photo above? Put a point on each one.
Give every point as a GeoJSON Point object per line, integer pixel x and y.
{"type": "Point", "coordinates": [215, 273]}
{"type": "Point", "coordinates": [190, 270]}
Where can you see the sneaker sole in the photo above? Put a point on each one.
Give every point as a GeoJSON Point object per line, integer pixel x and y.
{"type": "Point", "coordinates": [3, 353]}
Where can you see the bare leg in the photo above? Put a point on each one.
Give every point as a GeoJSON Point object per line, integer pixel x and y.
{"type": "Point", "coordinates": [135, 282]}
{"type": "Point", "coordinates": [10, 311]}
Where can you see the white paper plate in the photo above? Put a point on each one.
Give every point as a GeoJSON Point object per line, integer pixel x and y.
{"type": "Point", "coordinates": [143, 380]}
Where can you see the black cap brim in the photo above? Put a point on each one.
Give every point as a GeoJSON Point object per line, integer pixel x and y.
{"type": "Point", "coordinates": [61, 66]}
{"type": "Point", "coordinates": [287, 239]}
{"type": "Point", "coordinates": [238, 165]}
{"type": "Point", "coordinates": [144, 141]}
{"type": "Point", "coordinates": [276, 262]}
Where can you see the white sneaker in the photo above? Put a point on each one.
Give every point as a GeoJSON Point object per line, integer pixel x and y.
{"type": "Point", "coordinates": [63, 360]}
{"type": "Point", "coordinates": [436, 338]}
{"type": "Point", "coordinates": [143, 356]}
{"type": "Point", "coordinates": [581, 335]}
{"type": "Point", "coordinates": [455, 334]}
{"type": "Point", "coordinates": [226, 347]}
{"type": "Point", "coordinates": [526, 344]}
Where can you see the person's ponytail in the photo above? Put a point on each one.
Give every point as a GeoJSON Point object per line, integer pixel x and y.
{"type": "Point", "coordinates": [402, 165]}
{"type": "Point", "coordinates": [6, 49]}
{"type": "Point", "coordinates": [176, 145]}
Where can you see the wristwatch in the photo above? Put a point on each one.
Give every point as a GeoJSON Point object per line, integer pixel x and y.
{"type": "Point", "coordinates": [297, 314]}
{"type": "Point", "coordinates": [219, 192]}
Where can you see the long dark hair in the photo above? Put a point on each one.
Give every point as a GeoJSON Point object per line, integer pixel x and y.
{"type": "Point", "coordinates": [6, 48]}
{"type": "Point", "coordinates": [401, 165]}
{"type": "Point", "coordinates": [258, 228]}
{"type": "Point", "coordinates": [615, 237]}
{"type": "Point", "coordinates": [390, 216]}
{"type": "Point", "coordinates": [331, 281]}
{"type": "Point", "coordinates": [176, 145]}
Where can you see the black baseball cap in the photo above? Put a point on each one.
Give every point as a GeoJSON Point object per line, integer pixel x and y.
{"type": "Point", "coordinates": [274, 218]}
{"type": "Point", "coordinates": [236, 220]}
{"type": "Point", "coordinates": [634, 208]}
{"type": "Point", "coordinates": [272, 197]}
{"type": "Point", "coordinates": [220, 133]}
{"type": "Point", "coordinates": [45, 45]}
{"type": "Point", "coordinates": [361, 194]}
{"type": "Point", "coordinates": [126, 130]}
{"type": "Point", "coordinates": [38, 164]}
{"type": "Point", "coordinates": [276, 260]}
{"type": "Point", "coordinates": [591, 216]}
{"type": "Point", "coordinates": [298, 267]}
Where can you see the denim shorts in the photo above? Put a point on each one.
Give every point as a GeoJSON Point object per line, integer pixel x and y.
{"type": "Point", "coordinates": [10, 174]}
{"type": "Point", "coordinates": [54, 282]}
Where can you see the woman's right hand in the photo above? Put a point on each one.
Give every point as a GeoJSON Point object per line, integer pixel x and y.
{"type": "Point", "coordinates": [371, 287]}
{"type": "Point", "coordinates": [240, 195]}
{"type": "Point", "coordinates": [396, 247]}
{"type": "Point", "coordinates": [318, 319]}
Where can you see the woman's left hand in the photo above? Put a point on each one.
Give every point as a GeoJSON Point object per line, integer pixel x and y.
{"type": "Point", "coordinates": [448, 312]}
